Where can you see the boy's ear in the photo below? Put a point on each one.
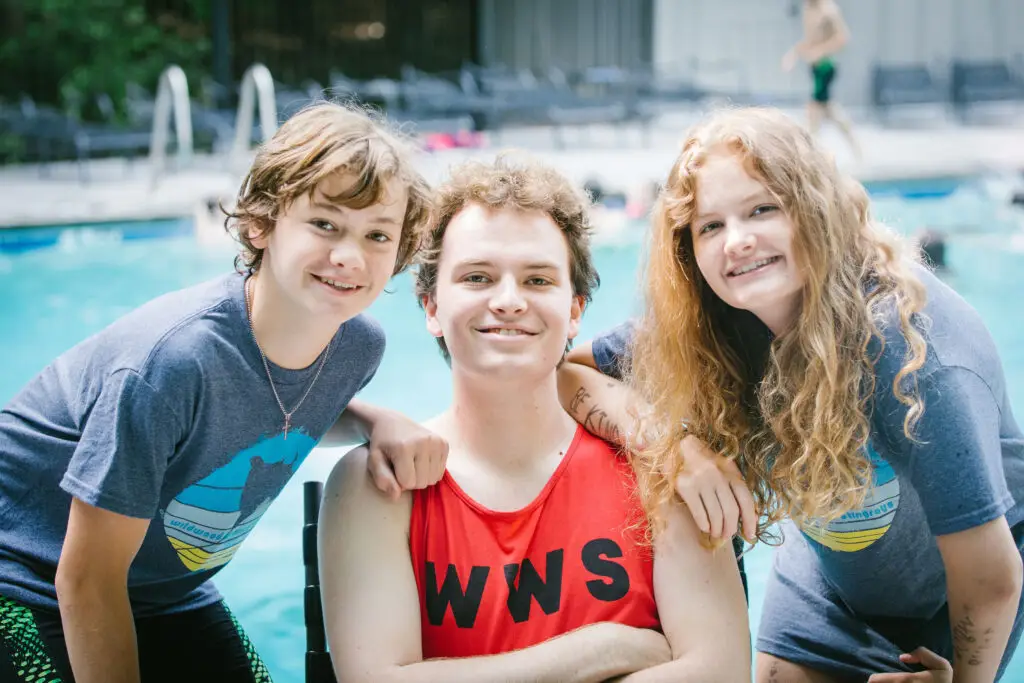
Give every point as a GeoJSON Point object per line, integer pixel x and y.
{"type": "Point", "coordinates": [575, 315]}
{"type": "Point", "coordinates": [258, 234]}
{"type": "Point", "coordinates": [430, 309]}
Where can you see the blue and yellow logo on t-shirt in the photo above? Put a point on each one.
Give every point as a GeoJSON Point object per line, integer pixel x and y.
{"type": "Point", "coordinates": [207, 522]}
{"type": "Point", "coordinates": [860, 527]}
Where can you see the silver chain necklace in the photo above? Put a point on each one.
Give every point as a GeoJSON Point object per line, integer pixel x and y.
{"type": "Point", "coordinates": [266, 366]}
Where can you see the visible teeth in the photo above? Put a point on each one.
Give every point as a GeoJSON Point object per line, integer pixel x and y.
{"type": "Point", "coordinates": [753, 266]}
{"type": "Point", "coordinates": [337, 285]}
{"type": "Point", "coordinates": [506, 333]}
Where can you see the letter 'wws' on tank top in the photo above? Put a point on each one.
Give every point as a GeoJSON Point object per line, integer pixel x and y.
{"type": "Point", "coordinates": [492, 582]}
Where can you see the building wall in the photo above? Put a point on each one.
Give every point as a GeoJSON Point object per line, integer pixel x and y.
{"type": "Point", "coordinates": [732, 43]}
{"type": "Point", "coordinates": [567, 34]}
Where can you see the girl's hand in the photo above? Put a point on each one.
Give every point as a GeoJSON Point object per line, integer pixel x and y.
{"type": "Point", "coordinates": [939, 670]}
{"type": "Point", "coordinates": [714, 491]}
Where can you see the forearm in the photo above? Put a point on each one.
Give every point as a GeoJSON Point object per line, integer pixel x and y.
{"type": "Point", "coordinates": [689, 669]}
{"type": "Point", "coordinates": [798, 47]}
{"type": "Point", "coordinates": [577, 657]}
{"type": "Point", "coordinates": [981, 622]}
{"type": "Point", "coordinates": [100, 634]}
{"type": "Point", "coordinates": [354, 425]}
{"type": "Point", "coordinates": [604, 406]}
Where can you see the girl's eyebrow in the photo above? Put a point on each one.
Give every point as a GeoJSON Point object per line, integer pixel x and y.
{"type": "Point", "coordinates": [749, 199]}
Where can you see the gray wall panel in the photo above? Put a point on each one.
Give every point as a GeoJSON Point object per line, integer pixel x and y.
{"type": "Point", "coordinates": [752, 35]}
{"type": "Point", "coordinates": [568, 34]}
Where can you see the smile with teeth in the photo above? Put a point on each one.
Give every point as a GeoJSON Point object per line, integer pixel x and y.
{"type": "Point", "coordinates": [504, 332]}
{"type": "Point", "coordinates": [342, 286]}
{"type": "Point", "coordinates": [753, 266]}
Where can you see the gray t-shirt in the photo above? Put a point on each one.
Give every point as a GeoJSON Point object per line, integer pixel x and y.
{"type": "Point", "coordinates": [167, 415]}
{"type": "Point", "coordinates": [965, 469]}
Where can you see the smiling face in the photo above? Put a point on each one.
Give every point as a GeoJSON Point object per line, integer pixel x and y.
{"type": "Point", "coordinates": [743, 243]}
{"type": "Point", "coordinates": [504, 301]}
{"type": "Point", "coordinates": [330, 260]}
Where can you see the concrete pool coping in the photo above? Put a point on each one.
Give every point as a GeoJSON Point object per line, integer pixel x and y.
{"type": "Point", "coordinates": [122, 190]}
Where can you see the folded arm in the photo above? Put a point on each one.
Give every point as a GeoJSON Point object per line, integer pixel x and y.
{"type": "Point", "coordinates": [372, 607]}
{"type": "Point", "coordinates": [701, 605]}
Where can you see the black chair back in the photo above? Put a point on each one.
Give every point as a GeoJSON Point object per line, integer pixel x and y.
{"type": "Point", "coordinates": [318, 660]}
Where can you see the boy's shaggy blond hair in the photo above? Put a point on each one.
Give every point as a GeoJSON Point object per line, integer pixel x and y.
{"type": "Point", "coordinates": [321, 140]}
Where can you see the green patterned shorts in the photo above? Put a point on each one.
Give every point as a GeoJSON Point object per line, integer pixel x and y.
{"type": "Point", "coordinates": [203, 644]}
{"type": "Point", "coordinates": [25, 651]}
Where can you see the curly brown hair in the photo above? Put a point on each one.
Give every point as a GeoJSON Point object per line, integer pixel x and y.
{"type": "Point", "coordinates": [521, 184]}
{"type": "Point", "coordinates": [798, 426]}
{"type": "Point", "coordinates": [323, 139]}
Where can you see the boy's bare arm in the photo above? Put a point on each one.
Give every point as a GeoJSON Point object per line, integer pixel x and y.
{"type": "Point", "coordinates": [92, 589]}
{"type": "Point", "coordinates": [701, 605]}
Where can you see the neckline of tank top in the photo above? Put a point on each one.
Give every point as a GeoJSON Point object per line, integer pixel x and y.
{"type": "Point", "coordinates": [552, 481]}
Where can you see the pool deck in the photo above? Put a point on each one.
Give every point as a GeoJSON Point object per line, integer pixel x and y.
{"type": "Point", "coordinates": [619, 158]}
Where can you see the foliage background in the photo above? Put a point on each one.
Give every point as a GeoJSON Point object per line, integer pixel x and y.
{"type": "Point", "coordinates": [65, 52]}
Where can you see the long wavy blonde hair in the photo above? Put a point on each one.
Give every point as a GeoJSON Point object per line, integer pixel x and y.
{"type": "Point", "coordinates": [794, 410]}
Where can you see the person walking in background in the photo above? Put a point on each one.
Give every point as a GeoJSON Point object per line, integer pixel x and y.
{"type": "Point", "coordinates": [825, 34]}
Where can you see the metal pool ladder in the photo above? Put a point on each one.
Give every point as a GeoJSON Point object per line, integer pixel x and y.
{"type": "Point", "coordinates": [171, 97]}
{"type": "Point", "coordinates": [257, 89]}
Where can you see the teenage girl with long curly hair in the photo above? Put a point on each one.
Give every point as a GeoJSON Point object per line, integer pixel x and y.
{"type": "Point", "coordinates": [794, 364]}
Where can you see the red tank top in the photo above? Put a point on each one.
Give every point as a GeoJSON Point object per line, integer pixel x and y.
{"type": "Point", "coordinates": [492, 582]}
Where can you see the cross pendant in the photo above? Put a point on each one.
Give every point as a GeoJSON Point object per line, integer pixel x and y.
{"type": "Point", "coordinates": [287, 424]}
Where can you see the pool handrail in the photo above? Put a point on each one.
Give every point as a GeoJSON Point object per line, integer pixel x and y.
{"type": "Point", "coordinates": [171, 98]}
{"type": "Point", "coordinates": [257, 89]}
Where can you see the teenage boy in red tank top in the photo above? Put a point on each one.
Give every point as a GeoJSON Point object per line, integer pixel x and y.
{"type": "Point", "coordinates": [529, 559]}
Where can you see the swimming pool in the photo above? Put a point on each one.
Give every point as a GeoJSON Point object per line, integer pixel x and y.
{"type": "Point", "coordinates": [60, 285]}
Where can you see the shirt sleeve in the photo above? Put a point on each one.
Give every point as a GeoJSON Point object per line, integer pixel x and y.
{"type": "Point", "coordinates": [377, 344]}
{"type": "Point", "coordinates": [957, 463]}
{"type": "Point", "coordinates": [127, 440]}
{"type": "Point", "coordinates": [612, 350]}
{"type": "Point", "coordinates": [371, 372]}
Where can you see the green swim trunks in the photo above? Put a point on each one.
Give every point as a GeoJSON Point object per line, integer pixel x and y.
{"type": "Point", "coordinates": [823, 72]}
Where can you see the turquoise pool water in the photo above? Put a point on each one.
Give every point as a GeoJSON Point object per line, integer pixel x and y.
{"type": "Point", "coordinates": [59, 286]}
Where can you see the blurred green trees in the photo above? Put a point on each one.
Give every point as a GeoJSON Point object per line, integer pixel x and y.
{"type": "Point", "coordinates": [68, 53]}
